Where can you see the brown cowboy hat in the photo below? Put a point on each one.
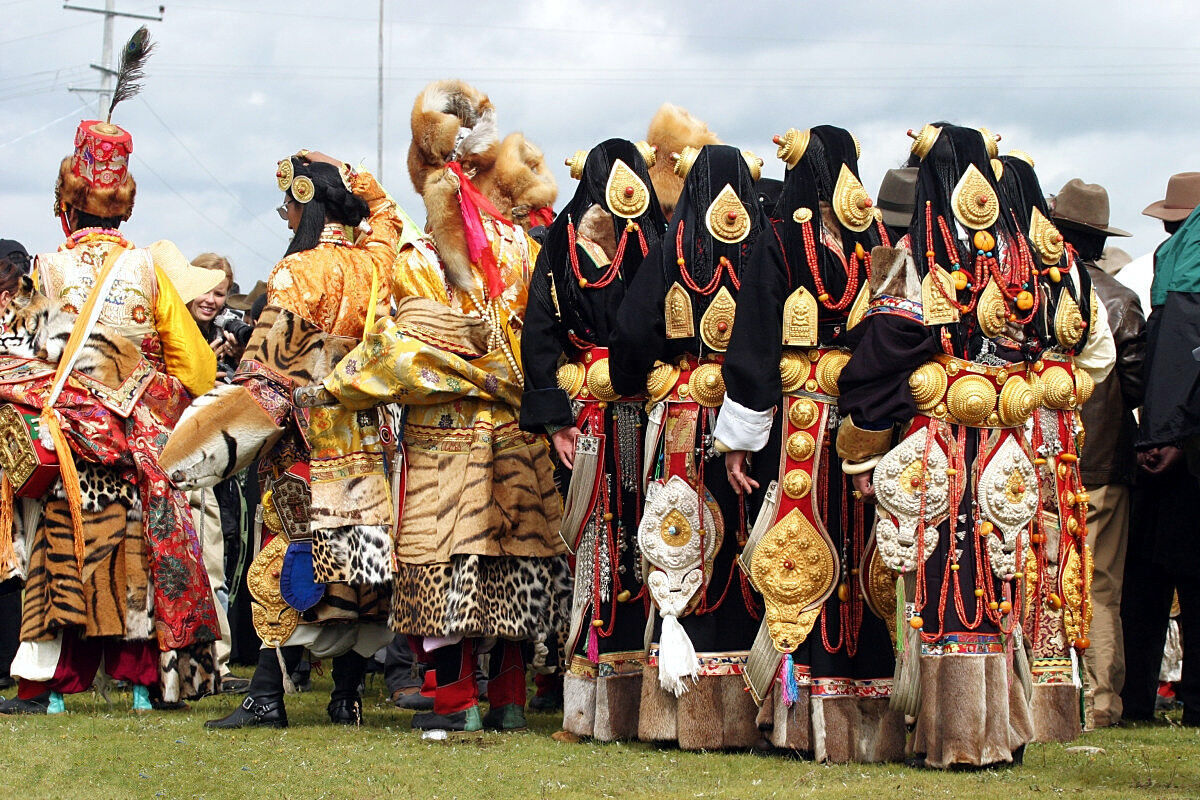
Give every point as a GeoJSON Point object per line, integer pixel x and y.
{"type": "Point", "coordinates": [1084, 206]}
{"type": "Point", "coordinates": [1183, 195]}
{"type": "Point", "coordinates": [898, 196]}
{"type": "Point", "coordinates": [242, 302]}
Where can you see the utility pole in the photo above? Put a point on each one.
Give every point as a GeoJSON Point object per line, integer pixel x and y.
{"type": "Point", "coordinates": [379, 110]}
{"type": "Point", "coordinates": [106, 68]}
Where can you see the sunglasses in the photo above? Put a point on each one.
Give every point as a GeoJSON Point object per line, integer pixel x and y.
{"type": "Point", "coordinates": [282, 211]}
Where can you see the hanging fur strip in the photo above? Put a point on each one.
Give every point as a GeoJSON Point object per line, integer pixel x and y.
{"type": "Point", "coordinates": [133, 63]}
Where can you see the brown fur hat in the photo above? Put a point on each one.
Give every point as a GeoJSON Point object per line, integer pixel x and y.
{"type": "Point", "coordinates": [451, 120]}
{"type": "Point", "coordinates": [519, 181]}
{"type": "Point", "coordinates": [672, 129]}
{"type": "Point", "coordinates": [106, 202]}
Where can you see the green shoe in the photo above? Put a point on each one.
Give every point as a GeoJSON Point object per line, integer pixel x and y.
{"type": "Point", "coordinates": [467, 721]}
{"type": "Point", "coordinates": [510, 717]}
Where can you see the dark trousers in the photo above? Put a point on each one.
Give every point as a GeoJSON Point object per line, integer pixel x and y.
{"type": "Point", "coordinates": [398, 666]}
{"type": "Point", "coordinates": [10, 624]}
{"type": "Point", "coordinates": [1145, 607]}
{"type": "Point", "coordinates": [267, 682]}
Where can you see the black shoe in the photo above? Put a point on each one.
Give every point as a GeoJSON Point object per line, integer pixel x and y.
{"type": "Point", "coordinates": [467, 721]}
{"type": "Point", "coordinates": [253, 714]}
{"type": "Point", "coordinates": [546, 703]}
{"type": "Point", "coordinates": [413, 701]}
{"type": "Point", "coordinates": [232, 684]}
{"type": "Point", "coordinates": [345, 712]}
{"type": "Point", "coordinates": [35, 705]}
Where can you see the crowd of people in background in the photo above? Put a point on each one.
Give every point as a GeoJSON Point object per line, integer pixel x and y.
{"type": "Point", "coordinates": [710, 458]}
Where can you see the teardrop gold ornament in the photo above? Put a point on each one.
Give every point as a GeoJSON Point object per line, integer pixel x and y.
{"type": "Point", "coordinates": [1046, 239]}
{"type": "Point", "coordinates": [716, 326]}
{"type": "Point", "coordinates": [684, 160]}
{"type": "Point", "coordinates": [991, 312]}
{"type": "Point", "coordinates": [576, 163]}
{"type": "Point", "coordinates": [851, 203]}
{"type": "Point", "coordinates": [800, 319]}
{"type": "Point", "coordinates": [648, 152]}
{"type": "Point", "coordinates": [727, 219]}
{"type": "Point", "coordinates": [997, 169]}
{"type": "Point", "coordinates": [1068, 321]}
{"type": "Point", "coordinates": [678, 313]}
{"type": "Point", "coordinates": [974, 200]}
{"type": "Point", "coordinates": [626, 194]}
{"type": "Point", "coordinates": [792, 146]}
{"type": "Point", "coordinates": [859, 309]}
{"type": "Point", "coordinates": [936, 307]}
{"type": "Point", "coordinates": [754, 164]}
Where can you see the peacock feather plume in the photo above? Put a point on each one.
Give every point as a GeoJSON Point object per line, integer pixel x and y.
{"type": "Point", "coordinates": [133, 62]}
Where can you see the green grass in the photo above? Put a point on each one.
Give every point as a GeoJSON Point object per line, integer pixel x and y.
{"type": "Point", "coordinates": [99, 752]}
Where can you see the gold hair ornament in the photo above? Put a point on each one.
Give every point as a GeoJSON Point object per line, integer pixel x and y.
{"type": "Point", "coordinates": [923, 141]}
{"type": "Point", "coordinates": [851, 203]}
{"type": "Point", "coordinates": [625, 193]}
{"type": "Point", "coordinates": [649, 152]}
{"type": "Point", "coordinates": [974, 200]}
{"type": "Point", "coordinates": [303, 189]}
{"type": "Point", "coordinates": [754, 163]}
{"type": "Point", "coordinates": [576, 163]}
{"type": "Point", "coordinates": [284, 173]}
{"type": "Point", "coordinates": [792, 146]}
{"type": "Point", "coordinates": [990, 141]}
{"type": "Point", "coordinates": [1046, 239]}
{"type": "Point", "coordinates": [684, 160]}
{"type": "Point", "coordinates": [727, 219]}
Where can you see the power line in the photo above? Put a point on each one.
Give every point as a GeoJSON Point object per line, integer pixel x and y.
{"type": "Point", "coordinates": [44, 127]}
{"type": "Point", "coordinates": [199, 211]}
{"type": "Point", "coordinates": [207, 171]}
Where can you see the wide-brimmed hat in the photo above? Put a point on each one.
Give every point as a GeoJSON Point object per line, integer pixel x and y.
{"type": "Point", "coordinates": [1084, 206]}
{"type": "Point", "coordinates": [898, 196]}
{"type": "Point", "coordinates": [242, 302]}
{"type": "Point", "coordinates": [1183, 195]}
{"type": "Point", "coordinates": [188, 280]}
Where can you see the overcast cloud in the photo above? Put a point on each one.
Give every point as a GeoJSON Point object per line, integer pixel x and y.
{"type": "Point", "coordinates": [1098, 90]}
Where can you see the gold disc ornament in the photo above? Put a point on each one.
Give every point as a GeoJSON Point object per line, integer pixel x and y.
{"type": "Point", "coordinates": [716, 326]}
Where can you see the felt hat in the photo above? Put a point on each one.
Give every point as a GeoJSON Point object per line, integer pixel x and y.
{"type": "Point", "coordinates": [898, 196]}
{"type": "Point", "coordinates": [1183, 195]}
{"type": "Point", "coordinates": [242, 302]}
{"type": "Point", "coordinates": [190, 281]}
{"type": "Point", "coordinates": [1084, 206]}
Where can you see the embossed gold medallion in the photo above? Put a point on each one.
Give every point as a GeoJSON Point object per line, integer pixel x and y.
{"type": "Point", "coordinates": [793, 369]}
{"type": "Point", "coordinates": [626, 194]}
{"type": "Point", "coordinates": [274, 620]}
{"type": "Point", "coordinates": [851, 203]}
{"type": "Point", "coordinates": [661, 381]}
{"type": "Point", "coordinates": [970, 399]}
{"type": "Point", "coordinates": [800, 319]}
{"type": "Point", "coordinates": [726, 218]}
{"type": "Point", "coordinates": [599, 382]}
{"type": "Point", "coordinates": [928, 385]}
{"type": "Point", "coordinates": [829, 369]}
{"type": "Point", "coordinates": [1068, 321]}
{"type": "Point", "coordinates": [795, 568]}
{"type": "Point", "coordinates": [678, 313]}
{"type": "Point", "coordinates": [707, 385]}
{"type": "Point", "coordinates": [284, 174]}
{"type": "Point", "coordinates": [1016, 403]}
{"type": "Point", "coordinates": [1058, 389]}
{"type": "Point", "coordinates": [801, 446]}
{"type": "Point", "coordinates": [974, 200]}
{"type": "Point", "coordinates": [716, 326]}
{"type": "Point", "coordinates": [803, 412]}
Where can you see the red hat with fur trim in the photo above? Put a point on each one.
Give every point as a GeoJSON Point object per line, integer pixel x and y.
{"type": "Point", "coordinates": [95, 179]}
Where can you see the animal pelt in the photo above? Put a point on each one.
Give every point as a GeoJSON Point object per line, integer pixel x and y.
{"type": "Point", "coordinates": [672, 129]}
{"type": "Point", "coordinates": [33, 328]}
{"type": "Point", "coordinates": [444, 219]}
{"type": "Point", "coordinates": [894, 274]}
{"type": "Point", "coordinates": [519, 181]}
{"type": "Point", "coordinates": [596, 225]}
{"type": "Point", "coordinates": [226, 429]}
{"type": "Point", "coordinates": [107, 202]}
{"type": "Point", "coordinates": [715, 713]}
{"type": "Point", "coordinates": [451, 120]}
{"type": "Point", "coordinates": [1056, 712]}
{"type": "Point", "coordinates": [605, 709]}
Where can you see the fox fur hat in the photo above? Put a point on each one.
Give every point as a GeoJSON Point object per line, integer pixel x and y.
{"type": "Point", "coordinates": [671, 130]}
{"type": "Point", "coordinates": [452, 121]}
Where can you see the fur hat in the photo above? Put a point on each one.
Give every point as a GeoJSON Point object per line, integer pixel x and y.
{"type": "Point", "coordinates": [95, 178]}
{"type": "Point", "coordinates": [451, 121]}
{"type": "Point", "coordinates": [672, 129]}
{"type": "Point", "coordinates": [519, 182]}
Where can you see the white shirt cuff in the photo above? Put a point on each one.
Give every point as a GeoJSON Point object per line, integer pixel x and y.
{"type": "Point", "coordinates": [740, 428]}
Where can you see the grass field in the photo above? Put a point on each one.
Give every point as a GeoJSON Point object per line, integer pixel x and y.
{"type": "Point", "coordinates": [98, 752]}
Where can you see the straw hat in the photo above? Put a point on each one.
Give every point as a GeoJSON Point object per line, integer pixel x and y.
{"type": "Point", "coordinates": [189, 281]}
{"type": "Point", "coordinates": [1183, 195]}
{"type": "Point", "coordinates": [1084, 206]}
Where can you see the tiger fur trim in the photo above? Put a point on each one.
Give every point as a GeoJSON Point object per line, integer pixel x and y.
{"type": "Point", "coordinates": [523, 599]}
{"type": "Point", "coordinates": [229, 427]}
{"type": "Point", "coordinates": [188, 673]}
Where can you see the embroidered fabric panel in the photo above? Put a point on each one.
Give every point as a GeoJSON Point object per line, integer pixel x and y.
{"type": "Point", "coordinates": [900, 306]}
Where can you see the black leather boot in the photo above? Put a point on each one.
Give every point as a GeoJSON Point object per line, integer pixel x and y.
{"type": "Point", "coordinates": [345, 711]}
{"type": "Point", "coordinates": [253, 713]}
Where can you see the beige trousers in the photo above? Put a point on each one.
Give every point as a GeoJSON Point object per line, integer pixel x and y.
{"type": "Point", "coordinates": [206, 515]}
{"type": "Point", "coordinates": [1108, 537]}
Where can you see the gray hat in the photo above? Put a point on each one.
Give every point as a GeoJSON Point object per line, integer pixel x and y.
{"type": "Point", "coordinates": [1084, 206]}
{"type": "Point", "coordinates": [898, 197]}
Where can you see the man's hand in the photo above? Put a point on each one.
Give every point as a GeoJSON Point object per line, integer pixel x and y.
{"type": "Point", "coordinates": [735, 471]}
{"type": "Point", "coordinates": [865, 486]}
{"type": "Point", "coordinates": [564, 445]}
{"type": "Point", "coordinates": [1160, 460]}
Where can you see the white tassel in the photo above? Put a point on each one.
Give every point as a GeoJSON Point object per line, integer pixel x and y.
{"type": "Point", "coordinates": [676, 657]}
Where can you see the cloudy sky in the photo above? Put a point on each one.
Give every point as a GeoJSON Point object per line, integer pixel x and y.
{"type": "Point", "coordinates": [1100, 90]}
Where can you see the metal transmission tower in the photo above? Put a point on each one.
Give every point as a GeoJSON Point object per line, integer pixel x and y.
{"type": "Point", "coordinates": [106, 68]}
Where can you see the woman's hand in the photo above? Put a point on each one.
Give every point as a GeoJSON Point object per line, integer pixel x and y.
{"type": "Point", "coordinates": [564, 445]}
{"type": "Point", "coordinates": [735, 471]}
{"type": "Point", "coordinates": [864, 486]}
{"type": "Point", "coordinates": [317, 157]}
